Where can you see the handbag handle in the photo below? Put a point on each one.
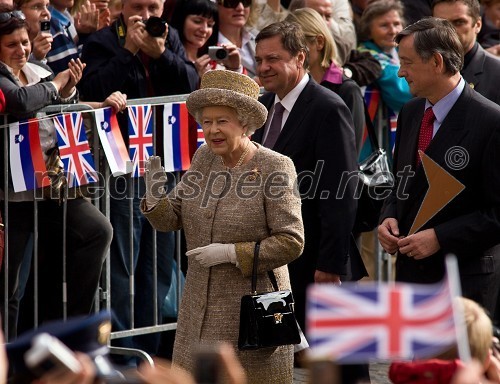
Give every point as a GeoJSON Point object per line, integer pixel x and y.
{"type": "Point", "coordinates": [254, 271]}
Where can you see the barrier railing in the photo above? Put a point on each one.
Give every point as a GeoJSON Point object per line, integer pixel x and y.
{"type": "Point", "coordinates": [103, 294]}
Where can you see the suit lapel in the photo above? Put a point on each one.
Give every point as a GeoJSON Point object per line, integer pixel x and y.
{"type": "Point", "coordinates": [295, 118]}
{"type": "Point", "coordinates": [267, 100]}
{"type": "Point", "coordinates": [472, 74]}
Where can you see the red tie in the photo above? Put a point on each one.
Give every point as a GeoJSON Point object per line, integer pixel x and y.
{"type": "Point", "coordinates": [426, 130]}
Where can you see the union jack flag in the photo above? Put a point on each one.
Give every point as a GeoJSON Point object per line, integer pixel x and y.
{"type": "Point", "coordinates": [140, 129]}
{"type": "Point", "coordinates": [366, 322]}
{"type": "Point", "coordinates": [74, 149]}
{"type": "Point", "coordinates": [200, 137]}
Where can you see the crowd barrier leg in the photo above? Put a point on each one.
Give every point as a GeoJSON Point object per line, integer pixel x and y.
{"type": "Point", "coordinates": [102, 202]}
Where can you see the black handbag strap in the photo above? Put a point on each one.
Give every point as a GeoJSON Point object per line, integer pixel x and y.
{"type": "Point", "coordinates": [371, 130]}
{"type": "Point", "coordinates": [254, 271]}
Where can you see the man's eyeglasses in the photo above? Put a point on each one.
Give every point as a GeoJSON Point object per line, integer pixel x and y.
{"type": "Point", "coordinates": [235, 3]}
{"type": "Point", "coordinates": [6, 16]}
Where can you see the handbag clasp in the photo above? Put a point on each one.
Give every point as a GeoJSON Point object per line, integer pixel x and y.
{"type": "Point", "coordinates": [277, 318]}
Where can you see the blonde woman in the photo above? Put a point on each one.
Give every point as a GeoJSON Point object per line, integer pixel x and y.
{"type": "Point", "coordinates": [324, 67]}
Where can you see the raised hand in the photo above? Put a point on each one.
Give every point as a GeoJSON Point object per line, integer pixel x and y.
{"type": "Point", "coordinates": [41, 45]}
{"type": "Point", "coordinates": [75, 68]}
{"type": "Point", "coordinates": [233, 60]}
{"type": "Point", "coordinates": [86, 20]}
{"type": "Point", "coordinates": [154, 178]}
{"type": "Point", "coordinates": [135, 33]}
{"type": "Point", "coordinates": [202, 64]}
{"type": "Point", "coordinates": [153, 46]}
{"type": "Point", "coordinates": [104, 18]}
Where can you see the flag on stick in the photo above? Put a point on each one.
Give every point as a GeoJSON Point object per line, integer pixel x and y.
{"type": "Point", "coordinates": [385, 321]}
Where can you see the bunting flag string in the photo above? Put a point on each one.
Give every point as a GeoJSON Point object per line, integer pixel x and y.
{"type": "Point", "coordinates": [27, 162]}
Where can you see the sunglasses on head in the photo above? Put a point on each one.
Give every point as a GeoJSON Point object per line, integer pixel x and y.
{"type": "Point", "coordinates": [6, 16]}
{"type": "Point", "coordinates": [235, 3]}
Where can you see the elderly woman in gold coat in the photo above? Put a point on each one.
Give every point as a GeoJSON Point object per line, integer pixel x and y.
{"type": "Point", "coordinates": [235, 194]}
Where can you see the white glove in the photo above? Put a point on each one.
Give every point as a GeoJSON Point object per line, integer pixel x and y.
{"type": "Point", "coordinates": [154, 178]}
{"type": "Point", "coordinates": [214, 254]}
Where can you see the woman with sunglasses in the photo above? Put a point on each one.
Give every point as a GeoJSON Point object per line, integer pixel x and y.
{"type": "Point", "coordinates": [29, 87]}
{"type": "Point", "coordinates": [233, 16]}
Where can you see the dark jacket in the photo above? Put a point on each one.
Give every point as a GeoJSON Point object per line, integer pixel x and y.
{"type": "Point", "coordinates": [351, 95]}
{"type": "Point", "coordinates": [110, 68]}
{"type": "Point", "coordinates": [319, 138]}
{"type": "Point", "coordinates": [483, 74]}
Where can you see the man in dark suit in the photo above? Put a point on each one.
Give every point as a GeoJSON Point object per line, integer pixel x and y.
{"type": "Point", "coordinates": [316, 132]}
{"type": "Point", "coordinates": [463, 123]}
{"type": "Point", "coordinates": [416, 10]}
{"type": "Point", "coordinates": [481, 69]}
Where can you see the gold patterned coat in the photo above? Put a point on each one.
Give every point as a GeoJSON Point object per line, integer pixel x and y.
{"type": "Point", "coordinates": [242, 205]}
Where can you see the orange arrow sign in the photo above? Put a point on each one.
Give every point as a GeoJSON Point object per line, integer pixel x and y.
{"type": "Point", "coordinates": [443, 188]}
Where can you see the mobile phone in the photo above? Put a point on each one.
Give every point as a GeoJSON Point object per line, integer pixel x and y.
{"type": "Point", "coordinates": [47, 353]}
{"type": "Point", "coordinates": [45, 26]}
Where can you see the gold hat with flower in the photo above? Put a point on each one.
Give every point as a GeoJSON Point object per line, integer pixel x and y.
{"type": "Point", "coordinates": [229, 89]}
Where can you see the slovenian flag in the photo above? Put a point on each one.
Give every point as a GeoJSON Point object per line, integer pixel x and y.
{"type": "Point", "coordinates": [176, 137]}
{"type": "Point", "coordinates": [27, 165]}
{"type": "Point", "coordinates": [112, 141]}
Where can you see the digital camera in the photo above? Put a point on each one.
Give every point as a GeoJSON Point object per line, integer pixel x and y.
{"type": "Point", "coordinates": [155, 26]}
{"type": "Point", "coordinates": [217, 53]}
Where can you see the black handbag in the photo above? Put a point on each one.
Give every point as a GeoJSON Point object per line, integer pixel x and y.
{"type": "Point", "coordinates": [375, 178]}
{"type": "Point", "coordinates": [267, 319]}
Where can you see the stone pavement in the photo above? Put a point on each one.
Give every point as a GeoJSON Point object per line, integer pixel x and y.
{"type": "Point", "coordinates": [378, 374]}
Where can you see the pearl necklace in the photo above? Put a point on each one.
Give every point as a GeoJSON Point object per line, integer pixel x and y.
{"type": "Point", "coordinates": [242, 157]}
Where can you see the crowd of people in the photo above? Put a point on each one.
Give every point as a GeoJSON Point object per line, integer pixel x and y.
{"type": "Point", "coordinates": [278, 168]}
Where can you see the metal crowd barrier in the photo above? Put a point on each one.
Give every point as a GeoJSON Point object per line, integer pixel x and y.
{"type": "Point", "coordinates": [102, 295]}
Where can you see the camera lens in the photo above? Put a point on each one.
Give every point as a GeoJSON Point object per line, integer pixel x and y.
{"type": "Point", "coordinates": [221, 54]}
{"type": "Point", "coordinates": [155, 26]}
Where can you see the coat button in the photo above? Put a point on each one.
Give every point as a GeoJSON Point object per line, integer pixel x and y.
{"type": "Point", "coordinates": [208, 215]}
